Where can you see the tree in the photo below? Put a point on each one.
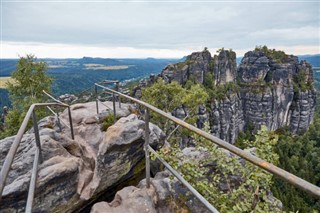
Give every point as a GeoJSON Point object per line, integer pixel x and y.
{"type": "Point", "coordinates": [168, 97]}
{"type": "Point", "coordinates": [30, 78]}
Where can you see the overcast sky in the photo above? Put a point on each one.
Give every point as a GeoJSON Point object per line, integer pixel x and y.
{"type": "Point", "coordinates": [135, 29]}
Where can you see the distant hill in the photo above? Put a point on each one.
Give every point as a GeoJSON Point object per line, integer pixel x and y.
{"type": "Point", "coordinates": [312, 59]}
{"type": "Point", "coordinates": [75, 75]}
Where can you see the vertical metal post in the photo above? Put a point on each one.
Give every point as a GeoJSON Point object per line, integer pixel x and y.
{"type": "Point", "coordinates": [96, 92]}
{"type": "Point", "coordinates": [59, 123]}
{"type": "Point", "coordinates": [70, 121]}
{"type": "Point", "coordinates": [33, 181]}
{"type": "Point", "coordinates": [36, 134]}
{"type": "Point", "coordinates": [114, 107]}
{"type": "Point", "coordinates": [118, 89]}
{"type": "Point", "coordinates": [146, 146]}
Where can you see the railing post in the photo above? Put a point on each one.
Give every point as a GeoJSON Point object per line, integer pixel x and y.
{"type": "Point", "coordinates": [146, 147]}
{"type": "Point", "coordinates": [59, 123]}
{"type": "Point", "coordinates": [70, 121]}
{"type": "Point", "coordinates": [33, 181]}
{"type": "Point", "coordinates": [114, 107]}
{"type": "Point", "coordinates": [118, 89]}
{"type": "Point", "coordinates": [36, 134]}
{"type": "Point", "coordinates": [96, 92]}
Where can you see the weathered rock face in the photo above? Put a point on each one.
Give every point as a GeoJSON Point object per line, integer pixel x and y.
{"type": "Point", "coordinates": [75, 172]}
{"type": "Point", "coordinates": [226, 117]}
{"type": "Point", "coordinates": [224, 67]}
{"type": "Point", "coordinates": [196, 65]}
{"type": "Point", "coordinates": [273, 92]}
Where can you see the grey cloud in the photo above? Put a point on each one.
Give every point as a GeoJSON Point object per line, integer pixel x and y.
{"type": "Point", "coordinates": [162, 25]}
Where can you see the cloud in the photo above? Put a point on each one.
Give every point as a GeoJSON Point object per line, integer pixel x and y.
{"type": "Point", "coordinates": [43, 50]}
{"type": "Point", "coordinates": [174, 26]}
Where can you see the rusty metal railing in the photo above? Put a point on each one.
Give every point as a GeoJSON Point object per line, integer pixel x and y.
{"type": "Point", "coordinates": [148, 149]}
{"type": "Point", "coordinates": [286, 176]}
{"type": "Point", "coordinates": [38, 156]}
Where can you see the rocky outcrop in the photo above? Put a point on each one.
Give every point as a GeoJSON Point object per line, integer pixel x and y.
{"type": "Point", "coordinates": [224, 67]}
{"type": "Point", "coordinates": [276, 94]}
{"type": "Point", "coordinates": [275, 90]}
{"type": "Point", "coordinates": [75, 172]}
{"type": "Point", "coordinates": [196, 66]}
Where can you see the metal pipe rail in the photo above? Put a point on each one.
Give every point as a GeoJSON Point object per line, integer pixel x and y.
{"type": "Point", "coordinates": [147, 150]}
{"type": "Point", "coordinates": [292, 179]}
{"type": "Point", "coordinates": [57, 114]}
{"type": "Point", "coordinates": [38, 156]}
{"type": "Point", "coordinates": [96, 85]}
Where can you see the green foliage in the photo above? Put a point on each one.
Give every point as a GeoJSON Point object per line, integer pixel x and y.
{"type": "Point", "coordinates": [300, 82]}
{"type": "Point", "coordinates": [247, 135]}
{"type": "Point", "coordinates": [247, 194]}
{"type": "Point", "coordinates": [208, 81]}
{"type": "Point", "coordinates": [168, 97]}
{"type": "Point", "coordinates": [219, 92]}
{"type": "Point", "coordinates": [277, 55]}
{"type": "Point", "coordinates": [107, 122]}
{"type": "Point", "coordinates": [30, 79]}
{"type": "Point", "coordinates": [299, 155]}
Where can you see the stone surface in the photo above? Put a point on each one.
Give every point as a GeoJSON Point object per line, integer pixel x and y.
{"type": "Point", "coordinates": [128, 200]}
{"type": "Point", "coordinates": [75, 172]}
{"type": "Point", "coordinates": [163, 196]}
{"type": "Point", "coordinates": [196, 65]}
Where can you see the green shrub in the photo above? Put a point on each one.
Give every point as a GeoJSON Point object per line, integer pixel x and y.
{"type": "Point", "coordinates": [107, 122]}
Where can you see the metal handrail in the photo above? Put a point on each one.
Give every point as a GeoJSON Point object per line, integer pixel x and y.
{"type": "Point", "coordinates": [147, 150]}
{"type": "Point", "coordinates": [57, 114]}
{"type": "Point", "coordinates": [38, 156]}
{"type": "Point", "coordinates": [96, 85]}
{"type": "Point", "coordinates": [292, 179]}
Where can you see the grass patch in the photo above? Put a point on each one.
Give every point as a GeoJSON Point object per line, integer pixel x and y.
{"type": "Point", "coordinates": [4, 80]}
{"type": "Point", "coordinates": [104, 67]}
{"type": "Point", "coordinates": [107, 122]}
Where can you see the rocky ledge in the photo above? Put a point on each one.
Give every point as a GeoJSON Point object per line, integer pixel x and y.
{"type": "Point", "coordinates": [76, 172]}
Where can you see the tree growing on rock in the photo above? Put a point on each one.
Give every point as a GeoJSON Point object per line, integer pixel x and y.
{"type": "Point", "coordinates": [30, 78]}
{"type": "Point", "coordinates": [168, 97]}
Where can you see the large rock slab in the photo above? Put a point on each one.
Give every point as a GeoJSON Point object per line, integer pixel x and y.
{"type": "Point", "coordinates": [75, 172]}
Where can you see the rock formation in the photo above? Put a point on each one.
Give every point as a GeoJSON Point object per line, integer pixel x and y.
{"type": "Point", "coordinates": [275, 90]}
{"type": "Point", "coordinates": [75, 172]}
{"type": "Point", "coordinates": [167, 195]}
{"type": "Point", "coordinates": [163, 196]}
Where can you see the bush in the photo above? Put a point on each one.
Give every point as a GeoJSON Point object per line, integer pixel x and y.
{"type": "Point", "coordinates": [107, 122]}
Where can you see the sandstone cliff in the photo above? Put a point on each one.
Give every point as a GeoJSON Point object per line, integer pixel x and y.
{"type": "Point", "coordinates": [274, 89]}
